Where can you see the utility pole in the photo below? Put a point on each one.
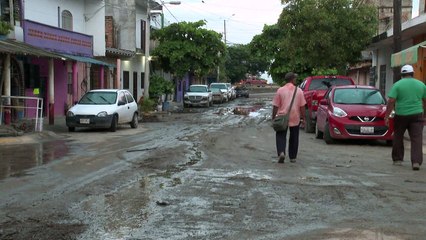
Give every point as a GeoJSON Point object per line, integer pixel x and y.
{"type": "Point", "coordinates": [396, 35]}
{"type": "Point", "coordinates": [147, 43]}
{"type": "Point", "coordinates": [224, 30]}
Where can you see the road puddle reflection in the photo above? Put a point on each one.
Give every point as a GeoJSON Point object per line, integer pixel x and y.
{"type": "Point", "coordinates": [16, 159]}
{"type": "Point", "coordinates": [247, 110]}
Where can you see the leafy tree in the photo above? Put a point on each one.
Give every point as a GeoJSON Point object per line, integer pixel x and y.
{"type": "Point", "coordinates": [316, 36]}
{"type": "Point", "coordinates": [186, 47]}
{"type": "Point", "coordinates": [236, 62]}
{"type": "Point", "coordinates": [159, 86]}
{"type": "Point", "coordinates": [241, 61]}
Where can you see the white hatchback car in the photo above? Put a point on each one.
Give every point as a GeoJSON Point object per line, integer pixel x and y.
{"type": "Point", "coordinates": [103, 108]}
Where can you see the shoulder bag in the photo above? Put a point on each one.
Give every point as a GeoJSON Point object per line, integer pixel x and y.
{"type": "Point", "coordinates": [280, 122]}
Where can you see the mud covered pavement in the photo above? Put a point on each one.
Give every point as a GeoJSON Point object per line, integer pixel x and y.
{"type": "Point", "coordinates": [205, 174]}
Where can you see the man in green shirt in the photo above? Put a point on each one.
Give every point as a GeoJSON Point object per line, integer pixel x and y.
{"type": "Point", "coordinates": [408, 98]}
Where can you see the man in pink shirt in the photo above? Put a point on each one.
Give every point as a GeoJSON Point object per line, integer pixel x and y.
{"type": "Point", "coordinates": [281, 105]}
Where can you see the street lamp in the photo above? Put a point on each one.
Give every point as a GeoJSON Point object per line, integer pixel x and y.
{"type": "Point", "coordinates": [224, 27]}
{"type": "Point", "coordinates": [147, 44]}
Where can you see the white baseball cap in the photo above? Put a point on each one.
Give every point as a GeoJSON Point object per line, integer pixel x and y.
{"type": "Point", "coordinates": [407, 69]}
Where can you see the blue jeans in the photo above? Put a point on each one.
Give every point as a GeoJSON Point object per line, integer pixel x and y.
{"type": "Point", "coordinates": [293, 142]}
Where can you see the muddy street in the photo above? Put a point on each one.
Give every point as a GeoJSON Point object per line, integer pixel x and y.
{"type": "Point", "coordinates": [205, 173]}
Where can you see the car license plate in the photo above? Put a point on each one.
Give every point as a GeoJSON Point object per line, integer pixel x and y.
{"type": "Point", "coordinates": [367, 130]}
{"type": "Point", "coordinates": [84, 121]}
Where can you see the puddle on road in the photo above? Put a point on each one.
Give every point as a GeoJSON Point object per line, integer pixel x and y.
{"type": "Point", "coordinates": [248, 110]}
{"type": "Point", "coordinates": [16, 159]}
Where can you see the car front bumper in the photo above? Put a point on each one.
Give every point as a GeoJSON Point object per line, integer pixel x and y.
{"type": "Point", "coordinates": [343, 128]}
{"type": "Point", "coordinates": [196, 103]}
{"type": "Point", "coordinates": [219, 98]}
{"type": "Point", "coordinates": [90, 121]}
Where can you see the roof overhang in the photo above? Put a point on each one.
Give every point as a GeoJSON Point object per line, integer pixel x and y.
{"type": "Point", "coordinates": [10, 46]}
{"type": "Point", "coordinates": [409, 30]}
{"type": "Point", "coordinates": [88, 60]}
{"type": "Point", "coordinates": [120, 52]}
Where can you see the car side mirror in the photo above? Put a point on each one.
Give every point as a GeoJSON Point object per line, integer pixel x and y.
{"type": "Point", "coordinates": [121, 103]}
{"type": "Point", "coordinates": [323, 101]}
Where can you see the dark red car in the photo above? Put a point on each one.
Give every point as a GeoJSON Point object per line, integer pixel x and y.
{"type": "Point", "coordinates": [314, 89]}
{"type": "Point", "coordinates": [353, 112]}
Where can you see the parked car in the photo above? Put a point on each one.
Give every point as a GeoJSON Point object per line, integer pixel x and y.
{"type": "Point", "coordinates": [314, 89]}
{"type": "Point", "coordinates": [198, 95]}
{"type": "Point", "coordinates": [103, 108]}
{"type": "Point", "coordinates": [254, 82]}
{"type": "Point", "coordinates": [242, 91]}
{"type": "Point", "coordinates": [231, 90]}
{"type": "Point", "coordinates": [353, 112]}
{"type": "Point", "coordinates": [223, 88]}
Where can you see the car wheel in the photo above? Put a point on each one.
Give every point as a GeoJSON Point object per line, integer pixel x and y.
{"type": "Point", "coordinates": [71, 129]}
{"type": "Point", "coordinates": [134, 122]}
{"type": "Point", "coordinates": [309, 127]}
{"type": "Point", "coordinates": [114, 124]}
{"type": "Point", "coordinates": [318, 133]}
{"type": "Point", "coordinates": [327, 136]}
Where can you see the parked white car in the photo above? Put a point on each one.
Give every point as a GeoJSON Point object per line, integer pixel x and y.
{"type": "Point", "coordinates": [231, 89]}
{"type": "Point", "coordinates": [198, 95]}
{"type": "Point", "coordinates": [103, 108]}
{"type": "Point", "coordinates": [223, 88]}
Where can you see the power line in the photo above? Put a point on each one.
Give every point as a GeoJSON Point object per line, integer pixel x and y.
{"type": "Point", "coordinates": [168, 10]}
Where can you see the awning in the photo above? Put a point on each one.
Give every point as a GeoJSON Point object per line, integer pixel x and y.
{"type": "Point", "coordinates": [120, 52]}
{"type": "Point", "coordinates": [406, 56]}
{"type": "Point", "coordinates": [20, 48]}
{"type": "Point", "coordinates": [87, 60]}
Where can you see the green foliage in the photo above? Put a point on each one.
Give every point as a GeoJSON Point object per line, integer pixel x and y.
{"type": "Point", "coordinates": [147, 105]}
{"type": "Point", "coordinates": [186, 47]}
{"type": "Point", "coordinates": [5, 28]}
{"type": "Point", "coordinates": [319, 71]}
{"type": "Point", "coordinates": [240, 61]}
{"type": "Point", "coordinates": [236, 62]}
{"type": "Point", "coordinates": [317, 34]}
{"type": "Point", "coordinates": [159, 85]}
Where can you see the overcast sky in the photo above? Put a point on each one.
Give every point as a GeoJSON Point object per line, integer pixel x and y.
{"type": "Point", "coordinates": [244, 18]}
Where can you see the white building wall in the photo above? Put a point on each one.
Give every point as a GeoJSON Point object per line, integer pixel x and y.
{"type": "Point", "coordinates": [381, 57]}
{"type": "Point", "coordinates": [46, 12]}
{"type": "Point", "coordinates": [135, 64]}
{"type": "Point", "coordinates": [49, 12]}
{"type": "Point", "coordinates": [95, 25]}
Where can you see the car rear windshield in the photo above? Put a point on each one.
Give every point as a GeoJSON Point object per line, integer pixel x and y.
{"type": "Point", "coordinates": [99, 98]}
{"type": "Point", "coordinates": [325, 83]}
{"type": "Point", "coordinates": [220, 86]}
{"type": "Point", "coordinates": [358, 96]}
{"type": "Point", "coordinates": [197, 89]}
